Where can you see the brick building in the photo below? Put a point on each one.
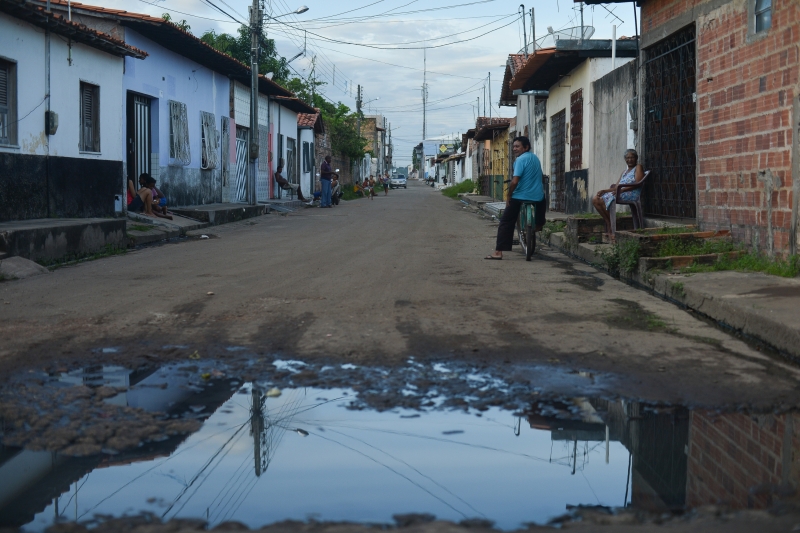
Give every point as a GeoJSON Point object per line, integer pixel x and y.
{"type": "Point", "coordinates": [719, 116]}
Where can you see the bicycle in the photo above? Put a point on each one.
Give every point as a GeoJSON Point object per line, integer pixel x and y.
{"type": "Point", "coordinates": [526, 230]}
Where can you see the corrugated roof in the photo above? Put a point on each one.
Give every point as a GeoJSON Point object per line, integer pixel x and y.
{"type": "Point", "coordinates": [513, 64]}
{"type": "Point", "coordinates": [487, 131]}
{"type": "Point", "coordinates": [38, 16]}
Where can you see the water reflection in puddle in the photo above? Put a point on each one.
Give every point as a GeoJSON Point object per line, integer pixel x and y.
{"type": "Point", "coordinates": [260, 458]}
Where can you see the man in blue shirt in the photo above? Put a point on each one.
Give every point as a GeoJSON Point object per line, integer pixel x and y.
{"type": "Point", "coordinates": [526, 186]}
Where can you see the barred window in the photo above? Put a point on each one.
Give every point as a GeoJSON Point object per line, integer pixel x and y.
{"type": "Point", "coordinates": [209, 141]}
{"type": "Point", "coordinates": [178, 134]}
{"type": "Point", "coordinates": [763, 15]}
{"type": "Point", "coordinates": [90, 118]}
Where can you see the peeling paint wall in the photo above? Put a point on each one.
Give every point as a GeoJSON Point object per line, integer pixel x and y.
{"type": "Point", "coordinates": [612, 94]}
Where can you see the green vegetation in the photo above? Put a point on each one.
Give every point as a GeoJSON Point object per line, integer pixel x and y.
{"type": "Point", "coordinates": [108, 251]}
{"type": "Point", "coordinates": [553, 226]}
{"type": "Point", "coordinates": [674, 246]}
{"type": "Point", "coordinates": [463, 187]}
{"type": "Point", "coordinates": [585, 216]}
{"type": "Point", "coordinates": [621, 258]}
{"type": "Point", "coordinates": [753, 262]}
{"type": "Point", "coordinates": [140, 227]}
{"type": "Point", "coordinates": [349, 194]}
{"type": "Point", "coordinates": [678, 288]}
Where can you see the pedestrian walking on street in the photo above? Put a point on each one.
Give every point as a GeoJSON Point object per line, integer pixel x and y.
{"type": "Point", "coordinates": [526, 186]}
{"type": "Point", "coordinates": [385, 181]}
{"type": "Point", "coordinates": [326, 173]}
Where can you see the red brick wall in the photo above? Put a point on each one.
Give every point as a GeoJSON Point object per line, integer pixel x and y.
{"type": "Point", "coordinates": [730, 455]}
{"type": "Point", "coordinates": [744, 104]}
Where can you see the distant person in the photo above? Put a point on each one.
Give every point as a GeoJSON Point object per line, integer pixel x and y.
{"type": "Point", "coordinates": [284, 184]}
{"type": "Point", "coordinates": [325, 179]}
{"type": "Point", "coordinates": [366, 188]}
{"type": "Point", "coordinates": [159, 200]}
{"type": "Point", "coordinates": [371, 187]}
{"type": "Point", "coordinates": [336, 189]}
{"type": "Point", "coordinates": [385, 181]}
{"type": "Point", "coordinates": [141, 200]}
{"type": "Point", "coordinates": [525, 186]}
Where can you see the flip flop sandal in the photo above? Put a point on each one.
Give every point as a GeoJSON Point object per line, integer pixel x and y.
{"type": "Point", "coordinates": [494, 258]}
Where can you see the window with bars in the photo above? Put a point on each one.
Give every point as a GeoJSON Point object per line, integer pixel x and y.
{"type": "Point", "coordinates": [179, 152]}
{"type": "Point", "coordinates": [8, 104]}
{"type": "Point", "coordinates": [90, 118]}
{"type": "Point", "coordinates": [209, 141]}
{"type": "Point", "coordinates": [763, 15]}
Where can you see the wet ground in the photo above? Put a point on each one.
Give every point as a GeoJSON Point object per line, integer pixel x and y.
{"type": "Point", "coordinates": [340, 443]}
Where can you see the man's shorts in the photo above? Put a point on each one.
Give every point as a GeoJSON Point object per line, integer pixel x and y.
{"type": "Point", "coordinates": [136, 205]}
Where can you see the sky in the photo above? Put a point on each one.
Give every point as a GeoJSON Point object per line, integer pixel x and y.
{"type": "Point", "coordinates": [378, 44]}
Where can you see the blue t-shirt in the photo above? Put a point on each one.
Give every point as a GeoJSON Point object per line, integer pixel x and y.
{"type": "Point", "coordinates": [529, 170]}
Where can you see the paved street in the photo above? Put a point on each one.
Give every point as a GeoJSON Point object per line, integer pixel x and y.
{"type": "Point", "coordinates": [377, 282]}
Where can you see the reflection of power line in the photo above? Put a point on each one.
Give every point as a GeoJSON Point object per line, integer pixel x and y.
{"type": "Point", "coordinates": [459, 498]}
{"type": "Point", "coordinates": [390, 469]}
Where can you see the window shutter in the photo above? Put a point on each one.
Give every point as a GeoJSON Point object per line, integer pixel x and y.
{"type": "Point", "coordinates": [4, 88]}
{"type": "Point", "coordinates": [87, 117]}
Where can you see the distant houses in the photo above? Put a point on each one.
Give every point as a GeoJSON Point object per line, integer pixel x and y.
{"type": "Point", "coordinates": [131, 94]}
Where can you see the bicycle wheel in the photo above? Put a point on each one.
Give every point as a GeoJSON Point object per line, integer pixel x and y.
{"type": "Point", "coordinates": [530, 244]}
{"type": "Point", "coordinates": [523, 241]}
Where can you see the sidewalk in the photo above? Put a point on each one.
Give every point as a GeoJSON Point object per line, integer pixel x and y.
{"type": "Point", "coordinates": [757, 305]}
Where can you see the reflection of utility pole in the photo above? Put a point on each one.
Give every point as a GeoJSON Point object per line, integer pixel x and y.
{"type": "Point", "coordinates": [257, 426]}
{"type": "Point", "coordinates": [575, 456]}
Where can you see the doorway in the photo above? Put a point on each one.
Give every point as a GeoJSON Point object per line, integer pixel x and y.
{"type": "Point", "coordinates": [138, 136]}
{"type": "Point", "coordinates": [558, 143]}
{"type": "Point", "coordinates": [240, 177]}
{"type": "Point", "coordinates": [669, 141]}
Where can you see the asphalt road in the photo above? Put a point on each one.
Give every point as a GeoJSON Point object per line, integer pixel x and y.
{"type": "Point", "coordinates": [375, 282]}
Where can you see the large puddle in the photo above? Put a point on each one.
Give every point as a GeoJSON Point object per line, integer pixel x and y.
{"type": "Point", "coordinates": [263, 455]}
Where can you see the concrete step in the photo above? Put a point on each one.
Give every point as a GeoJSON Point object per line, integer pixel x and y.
{"type": "Point", "coordinates": [215, 214]}
{"type": "Point", "coordinates": [52, 239]}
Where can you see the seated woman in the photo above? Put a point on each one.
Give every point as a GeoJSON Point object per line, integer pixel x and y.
{"type": "Point", "coordinates": [285, 185]}
{"type": "Point", "coordinates": [140, 201]}
{"type": "Point", "coordinates": [632, 176]}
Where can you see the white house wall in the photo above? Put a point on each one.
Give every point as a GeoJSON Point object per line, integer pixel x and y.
{"type": "Point", "coordinates": [163, 76]}
{"type": "Point", "coordinates": [75, 183]}
{"type": "Point", "coordinates": [306, 178]}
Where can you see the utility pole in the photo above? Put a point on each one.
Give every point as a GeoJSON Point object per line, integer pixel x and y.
{"type": "Point", "coordinates": [490, 97]}
{"type": "Point", "coordinates": [484, 100]}
{"type": "Point", "coordinates": [256, 16]}
{"type": "Point", "coordinates": [358, 127]}
{"type": "Point", "coordinates": [524, 35]}
{"type": "Point", "coordinates": [424, 93]}
{"type": "Point", "coordinates": [313, 80]}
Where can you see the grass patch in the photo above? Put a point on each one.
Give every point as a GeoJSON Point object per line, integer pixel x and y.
{"type": "Point", "coordinates": [108, 251]}
{"type": "Point", "coordinates": [349, 194]}
{"type": "Point", "coordinates": [553, 226]}
{"type": "Point", "coordinates": [621, 258]}
{"type": "Point", "coordinates": [587, 216]}
{"type": "Point", "coordinates": [752, 262]}
{"type": "Point", "coordinates": [140, 227]}
{"type": "Point", "coordinates": [463, 187]}
{"type": "Point", "coordinates": [671, 247]}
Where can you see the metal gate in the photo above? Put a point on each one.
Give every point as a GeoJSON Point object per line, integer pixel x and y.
{"type": "Point", "coordinates": [557, 150]}
{"type": "Point", "coordinates": [138, 136]}
{"type": "Point", "coordinates": [240, 179]}
{"type": "Point", "coordinates": [291, 160]}
{"type": "Point", "coordinates": [262, 179]}
{"type": "Point", "coordinates": [576, 130]}
{"type": "Point", "coordinates": [669, 142]}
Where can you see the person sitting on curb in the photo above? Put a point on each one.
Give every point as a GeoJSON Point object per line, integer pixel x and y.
{"type": "Point", "coordinates": [159, 200]}
{"type": "Point", "coordinates": [336, 189]}
{"type": "Point", "coordinates": [284, 184]}
{"type": "Point", "coordinates": [140, 201]}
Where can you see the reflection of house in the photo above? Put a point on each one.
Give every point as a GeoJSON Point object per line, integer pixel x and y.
{"type": "Point", "coordinates": [564, 75]}
{"type": "Point", "coordinates": [32, 479]}
{"type": "Point", "coordinates": [73, 166]}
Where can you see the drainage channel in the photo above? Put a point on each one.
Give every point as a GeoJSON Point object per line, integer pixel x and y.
{"type": "Point", "coordinates": [214, 448]}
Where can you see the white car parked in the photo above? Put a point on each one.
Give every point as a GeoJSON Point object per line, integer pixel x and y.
{"type": "Point", "coordinates": [397, 181]}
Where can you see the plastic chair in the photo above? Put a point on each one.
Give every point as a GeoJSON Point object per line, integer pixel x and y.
{"type": "Point", "coordinates": [636, 207]}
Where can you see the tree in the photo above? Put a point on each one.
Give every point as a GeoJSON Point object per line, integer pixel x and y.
{"type": "Point", "coordinates": [182, 24]}
{"type": "Point", "coordinates": [238, 47]}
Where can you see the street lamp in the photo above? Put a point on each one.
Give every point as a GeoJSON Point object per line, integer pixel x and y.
{"type": "Point", "coordinates": [256, 20]}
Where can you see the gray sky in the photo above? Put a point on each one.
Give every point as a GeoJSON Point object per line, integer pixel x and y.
{"type": "Point", "coordinates": [457, 73]}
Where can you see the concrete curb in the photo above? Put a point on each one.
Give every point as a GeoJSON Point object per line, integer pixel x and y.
{"type": "Point", "coordinates": [728, 298]}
